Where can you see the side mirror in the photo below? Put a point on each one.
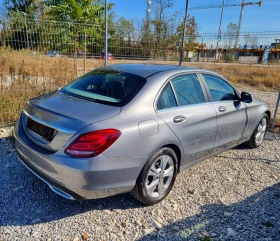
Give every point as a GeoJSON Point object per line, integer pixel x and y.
{"type": "Point", "coordinates": [246, 97]}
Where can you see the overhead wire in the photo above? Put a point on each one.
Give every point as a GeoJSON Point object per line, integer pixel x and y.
{"type": "Point", "coordinates": [214, 4]}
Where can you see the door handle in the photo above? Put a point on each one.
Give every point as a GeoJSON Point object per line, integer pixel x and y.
{"type": "Point", "coordinates": [179, 118]}
{"type": "Point", "coordinates": [222, 108]}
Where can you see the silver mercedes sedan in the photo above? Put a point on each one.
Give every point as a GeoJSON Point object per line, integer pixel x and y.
{"type": "Point", "coordinates": [133, 128]}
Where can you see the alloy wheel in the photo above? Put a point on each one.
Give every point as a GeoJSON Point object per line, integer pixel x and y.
{"type": "Point", "coordinates": [261, 130]}
{"type": "Point", "coordinates": [159, 176]}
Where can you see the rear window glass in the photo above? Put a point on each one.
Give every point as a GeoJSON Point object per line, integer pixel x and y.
{"type": "Point", "coordinates": [107, 86]}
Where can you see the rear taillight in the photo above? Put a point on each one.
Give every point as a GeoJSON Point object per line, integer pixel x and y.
{"type": "Point", "coordinates": [92, 143]}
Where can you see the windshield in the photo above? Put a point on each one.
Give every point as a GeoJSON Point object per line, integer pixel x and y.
{"type": "Point", "coordinates": [106, 85]}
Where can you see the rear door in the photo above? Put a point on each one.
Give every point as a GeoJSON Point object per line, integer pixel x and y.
{"type": "Point", "coordinates": [184, 106]}
{"type": "Point", "coordinates": [231, 112]}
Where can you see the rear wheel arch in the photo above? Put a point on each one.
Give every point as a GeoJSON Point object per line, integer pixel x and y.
{"type": "Point", "coordinates": [178, 153]}
{"type": "Point", "coordinates": [175, 148]}
{"type": "Point", "coordinates": [141, 191]}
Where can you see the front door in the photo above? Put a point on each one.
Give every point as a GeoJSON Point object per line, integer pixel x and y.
{"type": "Point", "coordinates": [231, 112]}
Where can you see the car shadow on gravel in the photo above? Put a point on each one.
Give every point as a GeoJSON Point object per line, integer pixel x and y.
{"type": "Point", "coordinates": [271, 137]}
{"type": "Point", "coordinates": [256, 218]}
{"type": "Point", "coordinates": [266, 160]}
{"type": "Point", "coordinates": [257, 159]}
{"type": "Point", "coordinates": [26, 200]}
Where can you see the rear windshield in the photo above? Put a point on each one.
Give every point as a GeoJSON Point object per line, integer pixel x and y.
{"type": "Point", "coordinates": [107, 86]}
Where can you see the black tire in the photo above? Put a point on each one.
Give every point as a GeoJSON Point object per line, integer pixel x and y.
{"type": "Point", "coordinates": [139, 191]}
{"type": "Point", "coordinates": [253, 143]}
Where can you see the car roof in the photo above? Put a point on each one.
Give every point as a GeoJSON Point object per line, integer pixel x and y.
{"type": "Point", "coordinates": [146, 70]}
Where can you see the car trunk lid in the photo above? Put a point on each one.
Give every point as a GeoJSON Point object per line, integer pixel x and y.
{"type": "Point", "coordinates": [52, 119]}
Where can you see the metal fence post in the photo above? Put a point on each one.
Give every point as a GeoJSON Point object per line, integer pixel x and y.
{"type": "Point", "coordinates": [184, 32]}
{"type": "Point", "coordinates": [106, 34]}
{"type": "Point", "coordinates": [276, 112]}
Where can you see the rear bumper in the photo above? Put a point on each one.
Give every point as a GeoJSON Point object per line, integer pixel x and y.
{"type": "Point", "coordinates": [54, 186]}
{"type": "Point", "coordinates": [75, 178]}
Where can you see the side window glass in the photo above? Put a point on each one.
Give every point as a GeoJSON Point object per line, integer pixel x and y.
{"type": "Point", "coordinates": [188, 89]}
{"type": "Point", "coordinates": [220, 90]}
{"type": "Point", "coordinates": [166, 98]}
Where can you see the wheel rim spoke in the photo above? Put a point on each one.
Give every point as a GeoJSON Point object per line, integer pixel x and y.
{"type": "Point", "coordinates": [161, 188]}
{"type": "Point", "coordinates": [264, 128]}
{"type": "Point", "coordinates": [163, 162]}
{"type": "Point", "coordinates": [264, 122]}
{"type": "Point", "coordinates": [169, 172]}
{"type": "Point", "coordinates": [153, 174]}
{"type": "Point", "coordinates": [152, 186]}
{"type": "Point", "coordinates": [153, 171]}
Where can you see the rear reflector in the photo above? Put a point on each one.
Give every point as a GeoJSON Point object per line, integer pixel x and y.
{"type": "Point", "coordinates": [93, 143]}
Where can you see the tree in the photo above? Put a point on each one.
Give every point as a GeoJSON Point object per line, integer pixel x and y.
{"type": "Point", "coordinates": [124, 28]}
{"type": "Point", "coordinates": [122, 37]}
{"type": "Point", "coordinates": [160, 23]}
{"type": "Point", "coordinates": [230, 35]}
{"type": "Point", "coordinates": [166, 30]}
{"type": "Point", "coordinates": [191, 31]}
{"type": "Point", "coordinates": [27, 6]}
{"type": "Point", "coordinates": [81, 10]}
{"type": "Point", "coordinates": [251, 41]}
{"type": "Point", "coordinates": [20, 30]}
{"type": "Point", "coordinates": [78, 13]}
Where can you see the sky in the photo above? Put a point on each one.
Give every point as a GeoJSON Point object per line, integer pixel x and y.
{"type": "Point", "coordinates": [255, 18]}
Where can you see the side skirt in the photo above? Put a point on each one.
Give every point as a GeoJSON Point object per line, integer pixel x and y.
{"type": "Point", "coordinates": [188, 165]}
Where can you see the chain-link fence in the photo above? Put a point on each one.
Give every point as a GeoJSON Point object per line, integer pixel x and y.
{"type": "Point", "coordinates": [39, 55]}
{"type": "Point", "coordinates": [78, 39]}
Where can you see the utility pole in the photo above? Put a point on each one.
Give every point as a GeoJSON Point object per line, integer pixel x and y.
{"type": "Point", "coordinates": [148, 11]}
{"type": "Point", "coordinates": [184, 33]}
{"type": "Point", "coordinates": [106, 33]}
{"type": "Point", "coordinates": [243, 4]}
{"type": "Point", "coordinates": [148, 16]}
{"type": "Point", "coordinates": [219, 33]}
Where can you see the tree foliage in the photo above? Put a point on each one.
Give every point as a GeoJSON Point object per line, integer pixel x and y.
{"type": "Point", "coordinates": [230, 35]}
{"type": "Point", "coordinates": [81, 28]}
{"type": "Point", "coordinates": [82, 10]}
{"type": "Point", "coordinates": [27, 6]}
{"type": "Point", "coordinates": [168, 29]}
{"type": "Point", "coordinates": [250, 41]}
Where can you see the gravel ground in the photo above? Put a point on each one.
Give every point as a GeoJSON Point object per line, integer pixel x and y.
{"type": "Point", "coordinates": [233, 196]}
